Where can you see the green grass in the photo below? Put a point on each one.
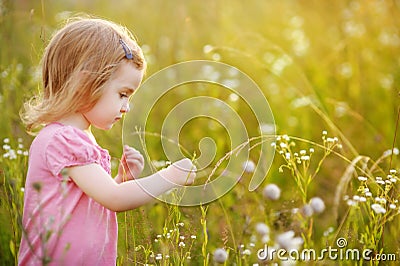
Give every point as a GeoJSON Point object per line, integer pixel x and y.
{"type": "Point", "coordinates": [322, 66]}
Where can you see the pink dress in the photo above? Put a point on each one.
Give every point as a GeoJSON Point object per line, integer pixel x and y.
{"type": "Point", "coordinates": [62, 225]}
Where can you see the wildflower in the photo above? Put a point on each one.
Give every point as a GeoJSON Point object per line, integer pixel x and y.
{"type": "Point", "coordinates": [307, 210]}
{"type": "Point", "coordinates": [272, 192]}
{"type": "Point", "coordinates": [378, 209]}
{"type": "Point", "coordinates": [311, 150]}
{"type": "Point", "coordinates": [246, 252]}
{"type": "Point", "coordinates": [317, 204]}
{"type": "Point", "coordinates": [351, 202]}
{"type": "Point", "coordinates": [22, 189]}
{"type": "Point", "coordinates": [181, 237]}
{"type": "Point", "coordinates": [362, 178]}
{"type": "Point", "coordinates": [181, 244]}
{"type": "Point", "coordinates": [393, 171]}
{"type": "Point", "coordinates": [220, 255]}
{"type": "Point", "coordinates": [249, 166]}
{"type": "Point", "coordinates": [363, 199]}
{"type": "Point", "coordinates": [193, 237]}
{"type": "Point", "coordinates": [305, 158]}
{"type": "Point", "coordinates": [392, 206]}
{"type": "Point", "coordinates": [368, 194]}
{"type": "Point", "coordinates": [262, 229]}
{"type": "Point", "coordinates": [381, 200]}
{"type": "Point", "coordinates": [6, 140]}
{"type": "Point", "coordinates": [288, 241]}
{"type": "Point", "coordinates": [6, 147]}
{"type": "Point", "coordinates": [159, 257]}
{"type": "Point", "coordinates": [324, 133]}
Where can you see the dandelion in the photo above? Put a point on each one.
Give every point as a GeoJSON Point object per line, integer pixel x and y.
{"type": "Point", "coordinates": [378, 209]}
{"type": "Point", "coordinates": [249, 166]}
{"type": "Point", "coordinates": [220, 255]}
{"type": "Point", "coordinates": [272, 192]}
{"type": "Point", "coordinates": [317, 204]}
{"type": "Point", "coordinates": [262, 229]}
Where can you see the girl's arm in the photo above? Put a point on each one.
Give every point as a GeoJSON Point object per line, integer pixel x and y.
{"type": "Point", "coordinates": [100, 186]}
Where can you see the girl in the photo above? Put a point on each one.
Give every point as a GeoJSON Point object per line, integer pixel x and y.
{"type": "Point", "coordinates": [90, 69]}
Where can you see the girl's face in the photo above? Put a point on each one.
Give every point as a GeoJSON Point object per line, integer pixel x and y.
{"type": "Point", "coordinates": [115, 99]}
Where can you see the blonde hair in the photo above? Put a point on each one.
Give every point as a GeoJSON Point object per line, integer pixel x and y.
{"type": "Point", "coordinates": [76, 63]}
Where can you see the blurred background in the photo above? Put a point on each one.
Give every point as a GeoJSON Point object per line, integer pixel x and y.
{"type": "Point", "coordinates": [322, 65]}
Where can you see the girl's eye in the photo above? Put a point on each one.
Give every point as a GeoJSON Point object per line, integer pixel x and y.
{"type": "Point", "coordinates": [123, 95]}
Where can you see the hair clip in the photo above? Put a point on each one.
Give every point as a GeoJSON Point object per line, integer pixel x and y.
{"type": "Point", "coordinates": [127, 50]}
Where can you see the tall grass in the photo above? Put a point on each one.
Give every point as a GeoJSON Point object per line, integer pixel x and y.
{"type": "Point", "coordinates": [322, 66]}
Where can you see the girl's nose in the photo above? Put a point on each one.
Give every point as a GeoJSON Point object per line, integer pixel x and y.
{"type": "Point", "coordinates": [125, 108]}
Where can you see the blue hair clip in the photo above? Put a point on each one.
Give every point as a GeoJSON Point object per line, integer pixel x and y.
{"type": "Point", "coordinates": [127, 50]}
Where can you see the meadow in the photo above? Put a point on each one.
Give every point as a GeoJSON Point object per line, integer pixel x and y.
{"type": "Point", "coordinates": [329, 70]}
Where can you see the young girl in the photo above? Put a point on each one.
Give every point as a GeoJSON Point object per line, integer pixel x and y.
{"type": "Point", "coordinates": [90, 69]}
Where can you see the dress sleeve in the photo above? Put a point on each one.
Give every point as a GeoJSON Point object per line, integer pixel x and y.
{"type": "Point", "coordinates": [70, 147]}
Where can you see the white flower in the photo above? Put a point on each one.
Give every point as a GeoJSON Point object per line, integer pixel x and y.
{"type": "Point", "coordinates": [6, 140]}
{"type": "Point", "coordinates": [181, 244]}
{"type": "Point", "coordinates": [362, 178]}
{"type": "Point", "coordinates": [220, 255]}
{"type": "Point", "coordinates": [317, 204]}
{"type": "Point", "coordinates": [307, 210]}
{"type": "Point", "coordinates": [249, 166]}
{"type": "Point", "coordinates": [272, 192]}
{"type": "Point", "coordinates": [288, 241]}
{"type": "Point", "coordinates": [193, 237]}
{"type": "Point", "coordinates": [378, 209]}
{"type": "Point", "coordinates": [262, 229]}
{"type": "Point", "coordinates": [246, 252]}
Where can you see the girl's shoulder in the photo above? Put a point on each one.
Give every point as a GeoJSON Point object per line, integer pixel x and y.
{"type": "Point", "coordinates": [57, 132]}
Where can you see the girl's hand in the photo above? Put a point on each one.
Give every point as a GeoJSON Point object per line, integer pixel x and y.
{"type": "Point", "coordinates": [132, 164]}
{"type": "Point", "coordinates": [181, 172]}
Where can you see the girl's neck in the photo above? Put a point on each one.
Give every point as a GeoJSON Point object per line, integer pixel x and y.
{"type": "Point", "coordinates": [79, 121]}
